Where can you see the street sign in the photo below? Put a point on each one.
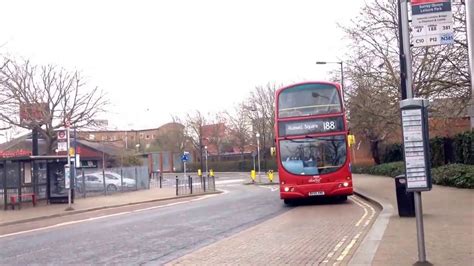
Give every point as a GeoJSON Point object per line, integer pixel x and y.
{"type": "Point", "coordinates": [416, 144]}
{"type": "Point", "coordinates": [62, 146]}
{"type": "Point", "coordinates": [432, 22]}
{"type": "Point", "coordinates": [185, 157]}
{"type": "Point", "coordinates": [62, 135]}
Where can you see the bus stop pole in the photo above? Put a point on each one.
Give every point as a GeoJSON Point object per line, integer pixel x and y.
{"type": "Point", "coordinates": [409, 94]}
{"type": "Point", "coordinates": [69, 190]}
{"type": "Point", "coordinates": [470, 46]}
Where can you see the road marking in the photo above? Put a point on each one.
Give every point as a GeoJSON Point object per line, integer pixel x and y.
{"type": "Point", "coordinates": [271, 188]}
{"type": "Point", "coordinates": [365, 212]}
{"type": "Point", "coordinates": [230, 181]}
{"type": "Point", "coordinates": [348, 247]}
{"type": "Point", "coordinates": [372, 210]}
{"type": "Point", "coordinates": [108, 216]}
{"type": "Point", "coordinates": [364, 219]}
{"type": "Point", "coordinates": [354, 240]}
{"type": "Point", "coordinates": [336, 248]}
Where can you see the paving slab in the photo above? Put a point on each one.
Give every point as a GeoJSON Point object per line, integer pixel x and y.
{"type": "Point", "coordinates": [44, 210]}
{"type": "Point", "coordinates": [448, 220]}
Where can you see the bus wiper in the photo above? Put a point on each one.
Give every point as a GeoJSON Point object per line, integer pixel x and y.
{"type": "Point", "coordinates": [309, 137]}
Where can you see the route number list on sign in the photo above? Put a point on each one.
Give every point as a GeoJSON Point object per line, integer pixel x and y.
{"type": "Point", "coordinates": [432, 22]}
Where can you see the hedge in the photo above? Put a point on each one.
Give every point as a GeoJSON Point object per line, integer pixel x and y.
{"type": "Point", "coordinates": [234, 166]}
{"type": "Point", "coordinates": [453, 175]}
{"type": "Point", "coordinates": [459, 149]}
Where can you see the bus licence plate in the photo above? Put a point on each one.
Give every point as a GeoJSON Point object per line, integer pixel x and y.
{"type": "Point", "coordinates": [316, 193]}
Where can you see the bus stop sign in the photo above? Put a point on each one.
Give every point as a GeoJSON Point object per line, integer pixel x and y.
{"type": "Point", "coordinates": [416, 144]}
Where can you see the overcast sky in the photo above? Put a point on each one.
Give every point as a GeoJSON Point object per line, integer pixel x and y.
{"type": "Point", "coordinates": [157, 58]}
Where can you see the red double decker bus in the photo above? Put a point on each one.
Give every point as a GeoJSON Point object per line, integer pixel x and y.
{"type": "Point", "coordinates": [311, 139]}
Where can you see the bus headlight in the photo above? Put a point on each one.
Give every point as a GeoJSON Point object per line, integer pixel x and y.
{"type": "Point", "coordinates": [287, 189]}
{"type": "Point", "coordinates": [345, 184]}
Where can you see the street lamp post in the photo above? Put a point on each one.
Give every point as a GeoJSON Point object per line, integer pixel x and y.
{"type": "Point", "coordinates": [258, 155]}
{"type": "Point", "coordinates": [342, 71]}
{"type": "Point", "coordinates": [205, 150]}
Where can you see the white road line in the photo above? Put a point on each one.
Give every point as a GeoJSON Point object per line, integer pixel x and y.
{"type": "Point", "coordinates": [108, 216]}
{"type": "Point", "coordinates": [230, 181]}
{"type": "Point", "coordinates": [271, 188]}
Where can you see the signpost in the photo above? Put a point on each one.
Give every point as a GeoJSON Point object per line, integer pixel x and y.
{"type": "Point", "coordinates": [432, 22]}
{"type": "Point", "coordinates": [67, 174]}
{"type": "Point", "coordinates": [416, 144]}
{"type": "Point", "coordinates": [184, 159]}
{"type": "Point", "coordinates": [62, 140]}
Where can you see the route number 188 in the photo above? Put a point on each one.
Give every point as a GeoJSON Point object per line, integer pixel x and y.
{"type": "Point", "coordinates": [329, 125]}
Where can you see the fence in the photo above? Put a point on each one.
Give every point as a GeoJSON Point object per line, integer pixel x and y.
{"type": "Point", "coordinates": [194, 185]}
{"type": "Point", "coordinates": [17, 178]}
{"type": "Point", "coordinates": [91, 182]}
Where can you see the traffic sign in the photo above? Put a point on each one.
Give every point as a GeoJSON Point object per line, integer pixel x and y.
{"type": "Point", "coordinates": [62, 146]}
{"type": "Point", "coordinates": [62, 135]}
{"type": "Point", "coordinates": [185, 157]}
{"type": "Point", "coordinates": [432, 22]}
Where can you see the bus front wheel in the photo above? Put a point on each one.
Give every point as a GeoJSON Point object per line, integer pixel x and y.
{"type": "Point", "coordinates": [343, 198]}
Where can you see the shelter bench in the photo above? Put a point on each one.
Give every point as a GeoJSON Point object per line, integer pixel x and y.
{"type": "Point", "coordinates": [14, 199]}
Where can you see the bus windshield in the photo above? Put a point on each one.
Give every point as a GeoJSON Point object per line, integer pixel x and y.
{"type": "Point", "coordinates": [314, 155]}
{"type": "Point", "coordinates": [309, 99]}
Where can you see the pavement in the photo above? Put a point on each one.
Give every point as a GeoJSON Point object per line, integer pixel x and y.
{"type": "Point", "coordinates": [392, 240]}
{"type": "Point", "coordinates": [42, 210]}
{"type": "Point", "coordinates": [448, 215]}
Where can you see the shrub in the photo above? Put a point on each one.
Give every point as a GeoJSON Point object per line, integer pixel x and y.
{"type": "Point", "coordinates": [392, 153]}
{"type": "Point", "coordinates": [464, 147]}
{"type": "Point", "coordinates": [233, 166]}
{"type": "Point", "coordinates": [454, 175]}
{"type": "Point", "coordinates": [387, 169]}
{"type": "Point", "coordinates": [437, 151]}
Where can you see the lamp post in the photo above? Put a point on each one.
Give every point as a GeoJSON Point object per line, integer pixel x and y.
{"type": "Point", "coordinates": [342, 70]}
{"type": "Point", "coordinates": [205, 150]}
{"type": "Point", "coordinates": [258, 155]}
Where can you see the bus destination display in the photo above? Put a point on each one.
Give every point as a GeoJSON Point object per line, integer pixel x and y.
{"type": "Point", "coordinates": [305, 127]}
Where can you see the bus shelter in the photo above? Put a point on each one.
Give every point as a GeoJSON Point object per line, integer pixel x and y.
{"type": "Point", "coordinates": [41, 176]}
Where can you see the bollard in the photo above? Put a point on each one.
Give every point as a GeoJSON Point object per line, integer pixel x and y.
{"type": "Point", "coordinates": [190, 184]}
{"type": "Point", "coordinates": [270, 176]}
{"type": "Point", "coordinates": [161, 180]}
{"type": "Point", "coordinates": [252, 175]}
{"type": "Point", "coordinates": [177, 186]}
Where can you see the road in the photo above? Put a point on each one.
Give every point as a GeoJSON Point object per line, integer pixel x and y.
{"type": "Point", "coordinates": [157, 233]}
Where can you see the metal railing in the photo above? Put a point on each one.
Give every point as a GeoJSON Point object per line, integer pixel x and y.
{"type": "Point", "coordinates": [194, 185]}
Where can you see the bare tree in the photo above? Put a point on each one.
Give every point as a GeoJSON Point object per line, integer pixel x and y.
{"type": "Point", "coordinates": [260, 109]}
{"type": "Point", "coordinates": [194, 131]}
{"type": "Point", "coordinates": [239, 128]}
{"type": "Point", "coordinates": [216, 132]}
{"type": "Point", "coordinates": [373, 87]}
{"type": "Point", "coordinates": [50, 97]}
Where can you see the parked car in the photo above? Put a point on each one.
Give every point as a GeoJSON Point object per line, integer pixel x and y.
{"type": "Point", "coordinates": [127, 182]}
{"type": "Point", "coordinates": [95, 182]}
